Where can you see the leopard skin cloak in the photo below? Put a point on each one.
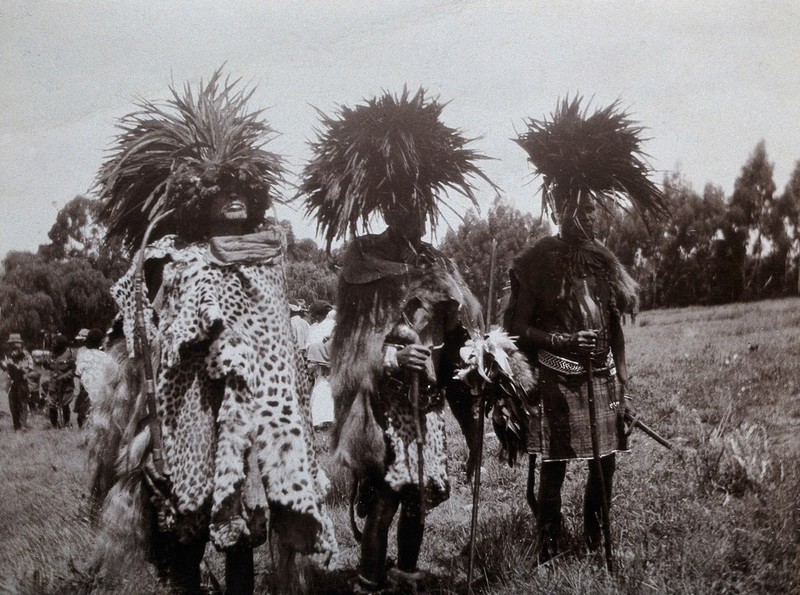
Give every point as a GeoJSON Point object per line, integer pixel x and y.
{"type": "Point", "coordinates": [374, 289]}
{"type": "Point", "coordinates": [230, 394]}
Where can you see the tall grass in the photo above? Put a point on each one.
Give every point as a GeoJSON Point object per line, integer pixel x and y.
{"type": "Point", "coordinates": [718, 514]}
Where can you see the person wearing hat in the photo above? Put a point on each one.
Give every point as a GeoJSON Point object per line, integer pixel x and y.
{"type": "Point", "coordinates": [61, 385]}
{"type": "Point", "coordinates": [228, 439]}
{"type": "Point", "coordinates": [18, 363]}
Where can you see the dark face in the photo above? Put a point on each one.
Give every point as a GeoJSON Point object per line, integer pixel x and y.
{"type": "Point", "coordinates": [405, 223]}
{"type": "Point", "coordinates": [229, 206]}
{"type": "Point", "coordinates": [579, 220]}
{"type": "Point", "coordinates": [228, 211]}
{"type": "Point", "coordinates": [16, 348]}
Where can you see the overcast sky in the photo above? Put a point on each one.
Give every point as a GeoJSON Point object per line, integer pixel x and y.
{"type": "Point", "coordinates": [709, 80]}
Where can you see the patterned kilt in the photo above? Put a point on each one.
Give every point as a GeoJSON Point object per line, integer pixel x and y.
{"type": "Point", "coordinates": [559, 428]}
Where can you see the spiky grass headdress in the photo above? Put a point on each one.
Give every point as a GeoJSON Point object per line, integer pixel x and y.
{"type": "Point", "coordinates": [385, 152]}
{"type": "Point", "coordinates": [179, 154]}
{"type": "Point", "coordinates": [598, 155]}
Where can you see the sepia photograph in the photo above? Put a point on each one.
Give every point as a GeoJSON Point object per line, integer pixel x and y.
{"type": "Point", "coordinates": [417, 296]}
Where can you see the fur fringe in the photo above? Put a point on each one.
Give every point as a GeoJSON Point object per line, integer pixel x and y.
{"type": "Point", "coordinates": [366, 313]}
{"type": "Point", "coordinates": [118, 446]}
{"type": "Point", "coordinates": [116, 410]}
{"type": "Point", "coordinates": [552, 251]}
{"type": "Point", "coordinates": [122, 536]}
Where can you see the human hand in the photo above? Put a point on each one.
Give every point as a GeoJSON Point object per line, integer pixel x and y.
{"type": "Point", "coordinates": [621, 404]}
{"type": "Point", "coordinates": [413, 357]}
{"type": "Point", "coordinates": [584, 341]}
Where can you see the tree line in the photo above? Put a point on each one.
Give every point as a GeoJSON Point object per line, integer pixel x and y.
{"type": "Point", "coordinates": [715, 249]}
{"type": "Point", "coordinates": [712, 249]}
{"type": "Point", "coordinates": [65, 285]}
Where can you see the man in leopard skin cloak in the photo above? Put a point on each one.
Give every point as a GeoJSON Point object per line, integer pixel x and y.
{"type": "Point", "coordinates": [567, 295]}
{"type": "Point", "coordinates": [403, 312]}
{"type": "Point", "coordinates": [218, 434]}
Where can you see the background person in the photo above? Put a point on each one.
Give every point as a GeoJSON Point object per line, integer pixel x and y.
{"type": "Point", "coordinates": [61, 384]}
{"type": "Point", "coordinates": [319, 363]}
{"type": "Point", "coordinates": [300, 326]}
{"type": "Point", "coordinates": [18, 364]}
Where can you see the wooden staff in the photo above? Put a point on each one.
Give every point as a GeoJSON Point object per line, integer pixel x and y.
{"type": "Point", "coordinates": [142, 344]}
{"type": "Point", "coordinates": [598, 468]}
{"type": "Point", "coordinates": [420, 440]}
{"type": "Point", "coordinates": [476, 487]}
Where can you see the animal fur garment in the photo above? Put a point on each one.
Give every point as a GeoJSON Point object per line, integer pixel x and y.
{"type": "Point", "coordinates": [115, 416]}
{"type": "Point", "coordinates": [562, 287]}
{"type": "Point", "coordinates": [373, 293]}
{"type": "Point", "coordinates": [232, 400]}
{"type": "Point", "coordinates": [564, 260]}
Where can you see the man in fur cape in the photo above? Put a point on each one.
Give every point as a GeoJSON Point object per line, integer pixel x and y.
{"type": "Point", "coordinates": [568, 293]}
{"type": "Point", "coordinates": [403, 311]}
{"type": "Point", "coordinates": [218, 433]}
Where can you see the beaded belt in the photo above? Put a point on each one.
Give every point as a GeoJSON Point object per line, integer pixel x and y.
{"type": "Point", "coordinates": [569, 367]}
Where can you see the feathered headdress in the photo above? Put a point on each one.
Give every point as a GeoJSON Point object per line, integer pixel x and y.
{"type": "Point", "coordinates": [390, 150]}
{"type": "Point", "coordinates": [598, 155]}
{"type": "Point", "coordinates": [182, 152]}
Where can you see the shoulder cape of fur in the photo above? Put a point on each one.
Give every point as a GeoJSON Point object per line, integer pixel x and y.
{"type": "Point", "coordinates": [373, 291]}
{"type": "Point", "coordinates": [552, 250]}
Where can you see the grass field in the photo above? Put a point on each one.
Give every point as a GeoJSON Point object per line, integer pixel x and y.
{"type": "Point", "coordinates": [718, 514]}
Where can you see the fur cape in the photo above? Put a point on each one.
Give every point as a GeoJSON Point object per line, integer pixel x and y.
{"type": "Point", "coordinates": [200, 307]}
{"type": "Point", "coordinates": [554, 256]}
{"type": "Point", "coordinates": [373, 292]}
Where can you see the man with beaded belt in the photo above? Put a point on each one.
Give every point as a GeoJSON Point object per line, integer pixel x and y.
{"type": "Point", "coordinates": [403, 310]}
{"type": "Point", "coordinates": [567, 296]}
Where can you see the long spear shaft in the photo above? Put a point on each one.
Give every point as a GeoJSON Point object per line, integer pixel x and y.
{"type": "Point", "coordinates": [476, 488]}
{"type": "Point", "coordinates": [419, 440]}
{"type": "Point", "coordinates": [598, 467]}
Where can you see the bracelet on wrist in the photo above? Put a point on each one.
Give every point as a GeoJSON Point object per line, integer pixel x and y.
{"type": "Point", "coordinates": [558, 341]}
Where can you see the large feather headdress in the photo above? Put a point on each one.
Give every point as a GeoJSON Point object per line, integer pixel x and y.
{"type": "Point", "coordinates": [387, 151]}
{"type": "Point", "coordinates": [597, 155]}
{"type": "Point", "coordinates": [180, 153]}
